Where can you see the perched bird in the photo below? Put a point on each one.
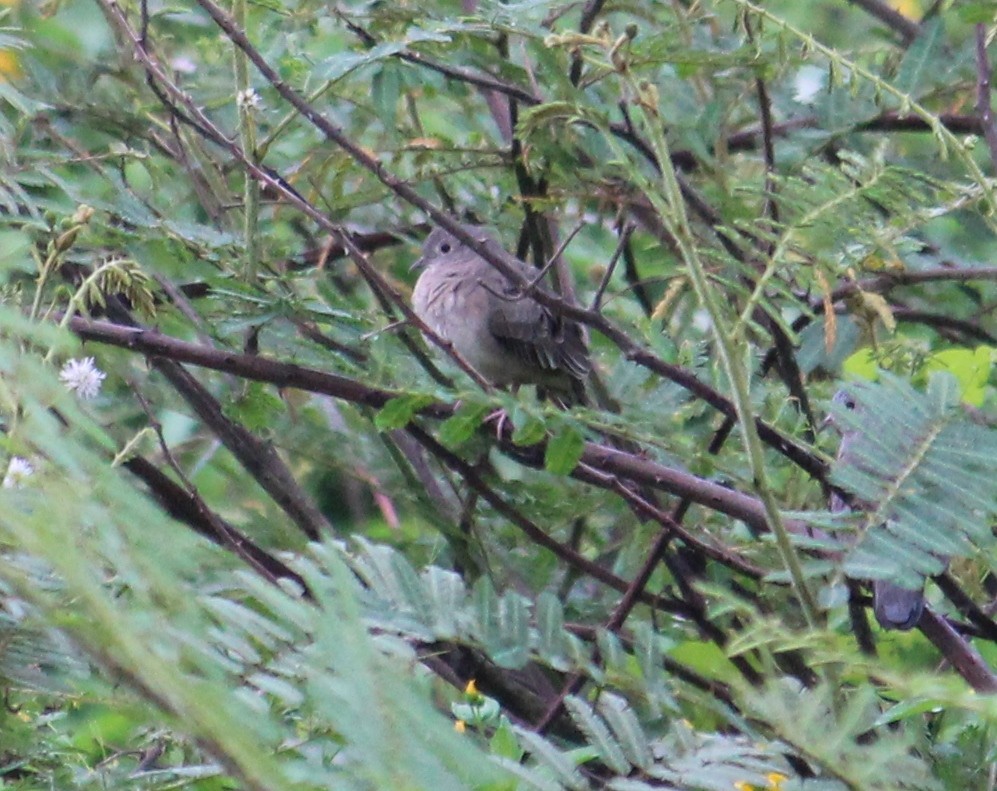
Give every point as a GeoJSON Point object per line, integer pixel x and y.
{"type": "Point", "coordinates": [895, 607]}
{"type": "Point", "coordinates": [500, 331]}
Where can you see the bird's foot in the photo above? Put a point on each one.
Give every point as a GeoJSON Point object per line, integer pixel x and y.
{"type": "Point", "coordinates": [500, 418]}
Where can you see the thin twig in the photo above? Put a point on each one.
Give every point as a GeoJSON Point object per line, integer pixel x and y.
{"type": "Point", "coordinates": [983, 106]}
{"type": "Point", "coordinates": [531, 530]}
{"type": "Point", "coordinates": [621, 244]}
{"type": "Point", "coordinates": [589, 14]}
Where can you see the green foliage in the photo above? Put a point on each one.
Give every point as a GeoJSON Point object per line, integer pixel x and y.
{"type": "Point", "coordinates": [834, 731]}
{"type": "Point", "coordinates": [218, 662]}
{"type": "Point", "coordinates": [927, 469]}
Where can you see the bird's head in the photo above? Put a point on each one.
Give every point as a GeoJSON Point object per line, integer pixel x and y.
{"type": "Point", "coordinates": [442, 247]}
{"type": "Point", "coordinates": [843, 399]}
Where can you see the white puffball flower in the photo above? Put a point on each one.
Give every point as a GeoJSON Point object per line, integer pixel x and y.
{"type": "Point", "coordinates": [18, 469]}
{"type": "Point", "coordinates": [808, 82]}
{"type": "Point", "coordinates": [82, 377]}
{"type": "Point", "coordinates": [249, 99]}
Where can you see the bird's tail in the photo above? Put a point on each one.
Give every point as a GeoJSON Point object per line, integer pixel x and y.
{"type": "Point", "coordinates": [896, 607]}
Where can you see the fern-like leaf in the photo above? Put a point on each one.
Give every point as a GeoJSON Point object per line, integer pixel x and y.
{"type": "Point", "coordinates": [924, 474]}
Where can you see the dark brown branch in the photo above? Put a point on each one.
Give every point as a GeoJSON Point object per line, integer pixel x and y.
{"type": "Point", "coordinates": [314, 334]}
{"type": "Point", "coordinates": [894, 122]}
{"type": "Point", "coordinates": [589, 14]}
{"type": "Point", "coordinates": [258, 458]}
{"type": "Point", "coordinates": [966, 606]}
{"type": "Point", "coordinates": [192, 511]}
{"type": "Point", "coordinates": [608, 460]}
{"type": "Point", "coordinates": [890, 17]}
{"type": "Point", "coordinates": [153, 343]}
{"type": "Point", "coordinates": [959, 653]}
{"type": "Point", "coordinates": [649, 510]}
{"type": "Point", "coordinates": [785, 354]}
{"type": "Point", "coordinates": [883, 283]}
{"type": "Point", "coordinates": [940, 321]}
{"type": "Point", "coordinates": [657, 476]}
{"type": "Point", "coordinates": [984, 108]}
{"type": "Point", "coordinates": [771, 208]}
{"type": "Point", "coordinates": [748, 139]}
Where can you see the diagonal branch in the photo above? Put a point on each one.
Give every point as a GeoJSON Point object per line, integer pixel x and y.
{"type": "Point", "coordinates": [890, 17]}
{"type": "Point", "coordinates": [984, 108]}
{"type": "Point", "coordinates": [594, 456]}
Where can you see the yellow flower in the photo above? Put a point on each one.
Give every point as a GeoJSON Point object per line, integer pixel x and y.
{"type": "Point", "coordinates": [909, 8]}
{"type": "Point", "coordinates": [471, 688]}
{"type": "Point", "coordinates": [9, 65]}
{"type": "Point", "coordinates": [775, 781]}
{"type": "Point", "coordinates": [460, 726]}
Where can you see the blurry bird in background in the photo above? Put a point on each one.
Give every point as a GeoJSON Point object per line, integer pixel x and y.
{"type": "Point", "coordinates": [895, 607]}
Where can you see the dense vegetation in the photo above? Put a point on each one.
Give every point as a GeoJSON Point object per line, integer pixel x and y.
{"type": "Point", "coordinates": [258, 533]}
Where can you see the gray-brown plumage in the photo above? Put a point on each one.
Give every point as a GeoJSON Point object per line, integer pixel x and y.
{"type": "Point", "coordinates": [506, 336]}
{"type": "Point", "coordinates": [895, 607]}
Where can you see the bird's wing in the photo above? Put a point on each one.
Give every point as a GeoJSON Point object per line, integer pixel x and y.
{"type": "Point", "coordinates": [535, 335]}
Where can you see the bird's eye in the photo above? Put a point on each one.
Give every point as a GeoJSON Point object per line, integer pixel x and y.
{"type": "Point", "coordinates": [445, 247]}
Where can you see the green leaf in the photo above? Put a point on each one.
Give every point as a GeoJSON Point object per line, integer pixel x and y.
{"type": "Point", "coordinates": [921, 475]}
{"type": "Point", "coordinates": [920, 62]}
{"type": "Point", "coordinates": [613, 655]}
{"type": "Point", "coordinates": [647, 651]}
{"type": "Point", "coordinates": [626, 727]}
{"type": "Point", "coordinates": [981, 13]}
{"type": "Point", "coordinates": [705, 658]}
{"type": "Point", "coordinates": [398, 412]}
{"type": "Point", "coordinates": [502, 624]}
{"type": "Point", "coordinates": [341, 64]}
{"type": "Point", "coordinates": [971, 367]}
{"type": "Point", "coordinates": [549, 756]}
{"type": "Point", "coordinates": [861, 365]}
{"type": "Point", "coordinates": [550, 625]}
{"type": "Point", "coordinates": [449, 595]}
{"type": "Point", "coordinates": [529, 432]}
{"type": "Point", "coordinates": [598, 734]}
{"type": "Point", "coordinates": [15, 252]}
{"type": "Point", "coordinates": [412, 589]}
{"type": "Point", "coordinates": [386, 90]}
{"type": "Point", "coordinates": [514, 622]}
{"type": "Point", "coordinates": [456, 430]}
{"type": "Point", "coordinates": [564, 450]}
{"type": "Point", "coordinates": [504, 743]}
{"type": "Point", "coordinates": [258, 409]}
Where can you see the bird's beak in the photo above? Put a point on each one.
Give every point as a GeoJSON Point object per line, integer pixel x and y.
{"type": "Point", "coordinates": [420, 263]}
